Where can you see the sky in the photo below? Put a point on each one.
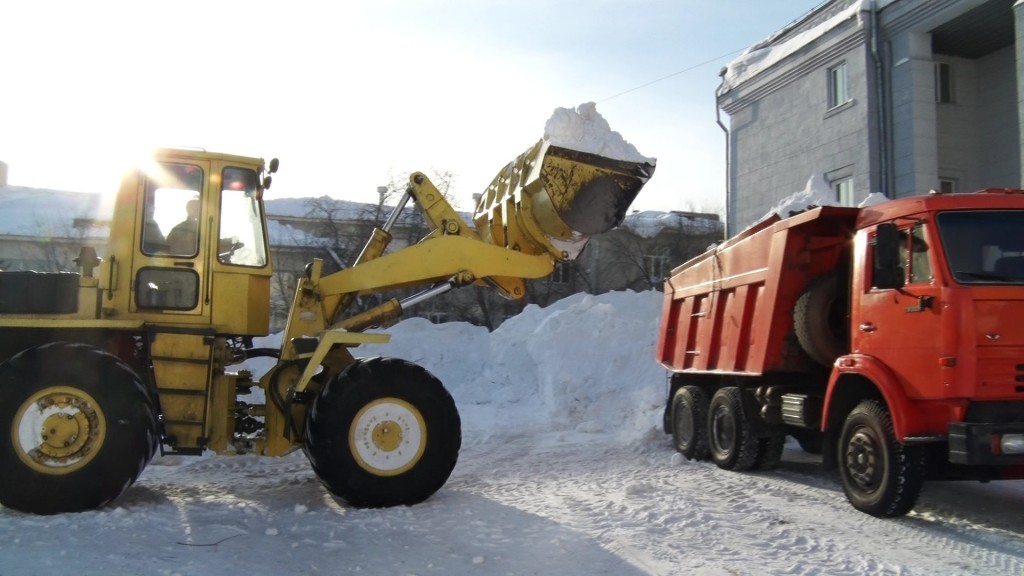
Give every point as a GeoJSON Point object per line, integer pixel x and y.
{"type": "Point", "coordinates": [355, 95]}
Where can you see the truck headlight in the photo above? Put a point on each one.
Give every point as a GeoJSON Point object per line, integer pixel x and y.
{"type": "Point", "coordinates": [1012, 444]}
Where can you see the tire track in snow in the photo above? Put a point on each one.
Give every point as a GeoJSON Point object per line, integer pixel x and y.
{"type": "Point", "coordinates": [681, 517]}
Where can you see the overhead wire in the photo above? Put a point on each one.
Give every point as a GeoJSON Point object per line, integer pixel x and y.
{"type": "Point", "coordinates": [678, 72]}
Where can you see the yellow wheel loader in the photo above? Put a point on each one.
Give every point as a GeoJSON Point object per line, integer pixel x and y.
{"type": "Point", "coordinates": [134, 352]}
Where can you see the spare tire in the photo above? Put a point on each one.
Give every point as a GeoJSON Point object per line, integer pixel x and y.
{"type": "Point", "coordinates": [820, 319]}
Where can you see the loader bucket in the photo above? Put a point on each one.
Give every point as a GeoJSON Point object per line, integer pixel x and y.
{"type": "Point", "coordinates": [553, 199]}
{"type": "Point", "coordinates": [591, 193]}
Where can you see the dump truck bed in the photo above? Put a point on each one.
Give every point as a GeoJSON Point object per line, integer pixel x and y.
{"type": "Point", "coordinates": [729, 310]}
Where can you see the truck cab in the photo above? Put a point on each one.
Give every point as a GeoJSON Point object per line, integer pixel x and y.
{"type": "Point", "coordinates": [938, 300]}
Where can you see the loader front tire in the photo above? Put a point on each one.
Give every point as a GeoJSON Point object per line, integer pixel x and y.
{"type": "Point", "coordinates": [384, 432]}
{"type": "Point", "coordinates": [77, 427]}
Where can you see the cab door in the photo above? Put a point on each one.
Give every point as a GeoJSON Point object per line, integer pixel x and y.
{"type": "Point", "coordinates": [903, 326]}
{"type": "Point", "coordinates": [170, 259]}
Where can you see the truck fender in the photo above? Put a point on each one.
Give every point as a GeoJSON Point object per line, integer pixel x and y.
{"type": "Point", "coordinates": [856, 377]}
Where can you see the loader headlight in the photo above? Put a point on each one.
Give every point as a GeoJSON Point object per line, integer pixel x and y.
{"type": "Point", "coordinates": [1012, 444]}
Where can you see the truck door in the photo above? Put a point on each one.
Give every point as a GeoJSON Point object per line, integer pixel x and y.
{"type": "Point", "coordinates": [902, 327]}
{"type": "Point", "coordinates": [169, 274]}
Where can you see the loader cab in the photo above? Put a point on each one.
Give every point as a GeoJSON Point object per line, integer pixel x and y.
{"type": "Point", "coordinates": [199, 253]}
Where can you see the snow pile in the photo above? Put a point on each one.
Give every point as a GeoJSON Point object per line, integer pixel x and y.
{"type": "Point", "coordinates": [585, 130]}
{"type": "Point", "coordinates": [585, 364]}
{"type": "Point", "coordinates": [816, 192]}
{"type": "Point", "coordinates": [872, 199]}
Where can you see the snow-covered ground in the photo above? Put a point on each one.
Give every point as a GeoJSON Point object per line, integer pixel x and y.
{"type": "Point", "coordinates": [564, 470]}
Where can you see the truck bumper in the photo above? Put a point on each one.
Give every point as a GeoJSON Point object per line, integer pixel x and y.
{"type": "Point", "coordinates": [979, 444]}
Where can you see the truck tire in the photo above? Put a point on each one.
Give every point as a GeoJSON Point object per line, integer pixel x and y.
{"type": "Point", "coordinates": [384, 432]}
{"type": "Point", "coordinates": [77, 427]}
{"type": "Point", "coordinates": [690, 422]}
{"type": "Point", "coordinates": [732, 440]}
{"type": "Point", "coordinates": [769, 451]}
{"type": "Point", "coordinates": [880, 476]}
{"type": "Point", "coordinates": [819, 320]}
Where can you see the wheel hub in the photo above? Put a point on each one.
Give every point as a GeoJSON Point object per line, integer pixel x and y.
{"type": "Point", "coordinates": [862, 460]}
{"type": "Point", "coordinates": [58, 430]}
{"type": "Point", "coordinates": [388, 436]}
{"type": "Point", "coordinates": [723, 430]}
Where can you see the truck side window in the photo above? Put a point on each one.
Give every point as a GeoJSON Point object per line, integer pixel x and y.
{"type": "Point", "coordinates": [914, 255]}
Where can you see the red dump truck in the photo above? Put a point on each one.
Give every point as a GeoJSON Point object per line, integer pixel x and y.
{"type": "Point", "coordinates": [889, 339]}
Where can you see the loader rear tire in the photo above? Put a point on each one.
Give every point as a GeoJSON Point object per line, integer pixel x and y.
{"type": "Point", "coordinates": [733, 441]}
{"type": "Point", "coordinates": [690, 422]}
{"type": "Point", "coordinates": [77, 427]}
{"type": "Point", "coordinates": [384, 432]}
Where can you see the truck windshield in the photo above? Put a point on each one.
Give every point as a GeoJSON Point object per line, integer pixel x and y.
{"type": "Point", "coordinates": [984, 246]}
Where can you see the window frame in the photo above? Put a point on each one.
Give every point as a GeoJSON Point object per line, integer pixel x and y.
{"type": "Point", "coordinates": [838, 85]}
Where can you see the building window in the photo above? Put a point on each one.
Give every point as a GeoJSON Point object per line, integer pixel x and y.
{"type": "Point", "coordinates": [844, 191]}
{"type": "Point", "coordinates": [947, 185]}
{"type": "Point", "coordinates": [943, 83]}
{"type": "Point", "coordinates": [838, 91]}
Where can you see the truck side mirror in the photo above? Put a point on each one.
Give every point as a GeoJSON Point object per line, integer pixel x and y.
{"type": "Point", "coordinates": [888, 272]}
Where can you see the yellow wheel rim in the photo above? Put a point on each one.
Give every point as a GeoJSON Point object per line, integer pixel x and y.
{"type": "Point", "coordinates": [387, 437]}
{"type": "Point", "coordinates": [58, 430]}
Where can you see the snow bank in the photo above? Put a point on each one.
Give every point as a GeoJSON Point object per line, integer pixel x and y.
{"type": "Point", "coordinates": [584, 364]}
{"type": "Point", "coordinates": [585, 130]}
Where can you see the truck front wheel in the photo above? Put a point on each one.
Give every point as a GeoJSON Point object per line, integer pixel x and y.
{"type": "Point", "coordinates": [733, 442]}
{"type": "Point", "coordinates": [385, 432]}
{"type": "Point", "coordinates": [880, 476]}
{"type": "Point", "coordinates": [690, 422]}
{"type": "Point", "coordinates": [77, 427]}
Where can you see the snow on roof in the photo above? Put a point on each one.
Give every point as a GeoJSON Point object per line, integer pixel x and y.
{"type": "Point", "coordinates": [649, 223]}
{"type": "Point", "coordinates": [41, 212]}
{"type": "Point", "coordinates": [767, 53]}
{"type": "Point", "coordinates": [585, 130]}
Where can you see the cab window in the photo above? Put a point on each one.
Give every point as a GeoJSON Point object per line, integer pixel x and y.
{"type": "Point", "coordinates": [241, 240]}
{"type": "Point", "coordinates": [171, 211]}
{"type": "Point", "coordinates": [914, 255]}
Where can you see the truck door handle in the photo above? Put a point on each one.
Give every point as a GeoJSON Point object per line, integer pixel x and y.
{"type": "Point", "coordinates": [868, 327]}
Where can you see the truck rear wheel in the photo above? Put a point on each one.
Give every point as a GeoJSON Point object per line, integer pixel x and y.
{"type": "Point", "coordinates": [880, 476]}
{"type": "Point", "coordinates": [769, 451]}
{"type": "Point", "coordinates": [819, 320]}
{"type": "Point", "coordinates": [733, 442]}
{"type": "Point", "coordinates": [690, 422]}
{"type": "Point", "coordinates": [384, 432]}
{"type": "Point", "coordinates": [77, 427]}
